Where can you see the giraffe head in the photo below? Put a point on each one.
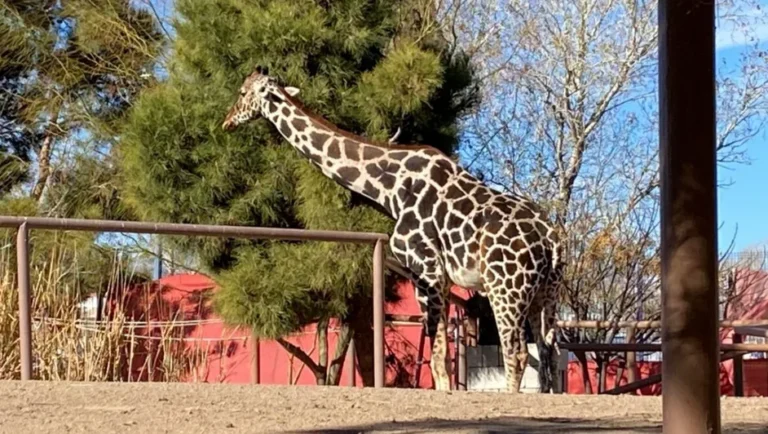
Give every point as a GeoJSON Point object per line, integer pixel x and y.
{"type": "Point", "coordinates": [256, 89]}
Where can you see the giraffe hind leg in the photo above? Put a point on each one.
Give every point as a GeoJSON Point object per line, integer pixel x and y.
{"type": "Point", "coordinates": [510, 313]}
{"type": "Point", "coordinates": [544, 324]}
{"type": "Point", "coordinates": [546, 352]}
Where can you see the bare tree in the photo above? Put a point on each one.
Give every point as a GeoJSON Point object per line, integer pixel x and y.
{"type": "Point", "coordinates": [569, 117]}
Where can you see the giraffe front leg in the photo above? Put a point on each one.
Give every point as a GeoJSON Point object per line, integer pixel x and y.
{"type": "Point", "coordinates": [441, 363]}
{"type": "Point", "coordinates": [433, 302]}
{"type": "Point", "coordinates": [429, 281]}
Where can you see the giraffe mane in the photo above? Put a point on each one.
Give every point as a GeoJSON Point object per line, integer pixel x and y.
{"type": "Point", "coordinates": [322, 121]}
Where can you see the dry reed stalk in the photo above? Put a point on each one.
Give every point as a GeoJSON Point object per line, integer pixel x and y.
{"type": "Point", "coordinates": [64, 346]}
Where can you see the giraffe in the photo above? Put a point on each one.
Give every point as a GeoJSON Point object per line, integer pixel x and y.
{"type": "Point", "coordinates": [450, 228]}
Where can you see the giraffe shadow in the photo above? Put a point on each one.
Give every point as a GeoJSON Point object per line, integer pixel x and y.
{"type": "Point", "coordinates": [495, 425]}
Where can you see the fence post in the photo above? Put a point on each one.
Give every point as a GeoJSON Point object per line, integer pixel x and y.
{"type": "Point", "coordinates": [738, 368]}
{"type": "Point", "coordinates": [378, 314]}
{"type": "Point", "coordinates": [255, 359]}
{"type": "Point", "coordinates": [25, 317]}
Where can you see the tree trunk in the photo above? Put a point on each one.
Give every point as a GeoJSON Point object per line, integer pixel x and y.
{"type": "Point", "coordinates": [342, 346]}
{"type": "Point", "coordinates": [44, 157]}
{"type": "Point", "coordinates": [43, 167]}
{"type": "Point", "coordinates": [360, 320]}
{"type": "Point", "coordinates": [582, 358]}
{"type": "Point", "coordinates": [321, 375]}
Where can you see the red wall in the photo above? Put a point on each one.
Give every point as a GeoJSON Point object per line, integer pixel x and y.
{"type": "Point", "coordinates": [233, 365]}
{"type": "Point", "coordinates": [228, 351]}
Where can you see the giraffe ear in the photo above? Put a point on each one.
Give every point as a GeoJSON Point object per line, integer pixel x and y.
{"type": "Point", "coordinates": [292, 91]}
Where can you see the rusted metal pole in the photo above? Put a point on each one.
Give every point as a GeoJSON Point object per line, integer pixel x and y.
{"type": "Point", "coordinates": [378, 314]}
{"type": "Point", "coordinates": [255, 359]}
{"type": "Point", "coordinates": [351, 371]}
{"type": "Point", "coordinates": [738, 369]}
{"type": "Point", "coordinates": [25, 301]}
{"type": "Point", "coordinates": [687, 136]}
{"type": "Point", "coordinates": [191, 229]}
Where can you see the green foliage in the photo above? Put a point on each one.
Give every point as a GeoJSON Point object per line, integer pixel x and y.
{"type": "Point", "coordinates": [345, 56]}
{"type": "Point", "coordinates": [69, 70]}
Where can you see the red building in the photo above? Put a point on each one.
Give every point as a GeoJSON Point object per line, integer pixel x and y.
{"type": "Point", "coordinates": [223, 354]}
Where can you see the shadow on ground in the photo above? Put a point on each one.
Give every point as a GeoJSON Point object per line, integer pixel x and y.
{"type": "Point", "coordinates": [495, 425]}
{"type": "Point", "coordinates": [520, 425]}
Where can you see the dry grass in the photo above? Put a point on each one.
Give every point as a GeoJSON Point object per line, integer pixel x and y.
{"type": "Point", "coordinates": [67, 346]}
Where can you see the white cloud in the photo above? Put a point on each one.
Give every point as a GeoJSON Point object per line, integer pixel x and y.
{"type": "Point", "coordinates": [755, 28]}
{"type": "Point", "coordinates": [726, 37]}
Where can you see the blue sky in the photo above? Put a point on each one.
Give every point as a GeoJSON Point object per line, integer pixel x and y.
{"type": "Point", "coordinates": [743, 206]}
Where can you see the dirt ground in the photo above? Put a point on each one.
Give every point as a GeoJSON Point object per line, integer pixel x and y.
{"type": "Point", "coordinates": [47, 407]}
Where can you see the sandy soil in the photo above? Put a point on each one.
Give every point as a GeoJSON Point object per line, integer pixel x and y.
{"type": "Point", "coordinates": [46, 407]}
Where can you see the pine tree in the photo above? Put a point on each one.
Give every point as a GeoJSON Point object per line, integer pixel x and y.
{"type": "Point", "coordinates": [70, 68]}
{"type": "Point", "coordinates": [369, 66]}
{"type": "Point", "coordinates": [68, 71]}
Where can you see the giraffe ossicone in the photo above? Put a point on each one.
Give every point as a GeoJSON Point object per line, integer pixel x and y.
{"type": "Point", "coordinates": [449, 227]}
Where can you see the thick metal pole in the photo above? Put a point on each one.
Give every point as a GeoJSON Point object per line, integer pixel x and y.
{"type": "Point", "coordinates": [25, 301]}
{"type": "Point", "coordinates": [687, 133]}
{"type": "Point", "coordinates": [378, 314]}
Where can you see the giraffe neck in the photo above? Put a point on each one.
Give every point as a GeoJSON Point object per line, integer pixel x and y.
{"type": "Point", "coordinates": [372, 170]}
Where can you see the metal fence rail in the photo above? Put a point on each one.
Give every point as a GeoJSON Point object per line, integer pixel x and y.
{"type": "Point", "coordinates": [24, 224]}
